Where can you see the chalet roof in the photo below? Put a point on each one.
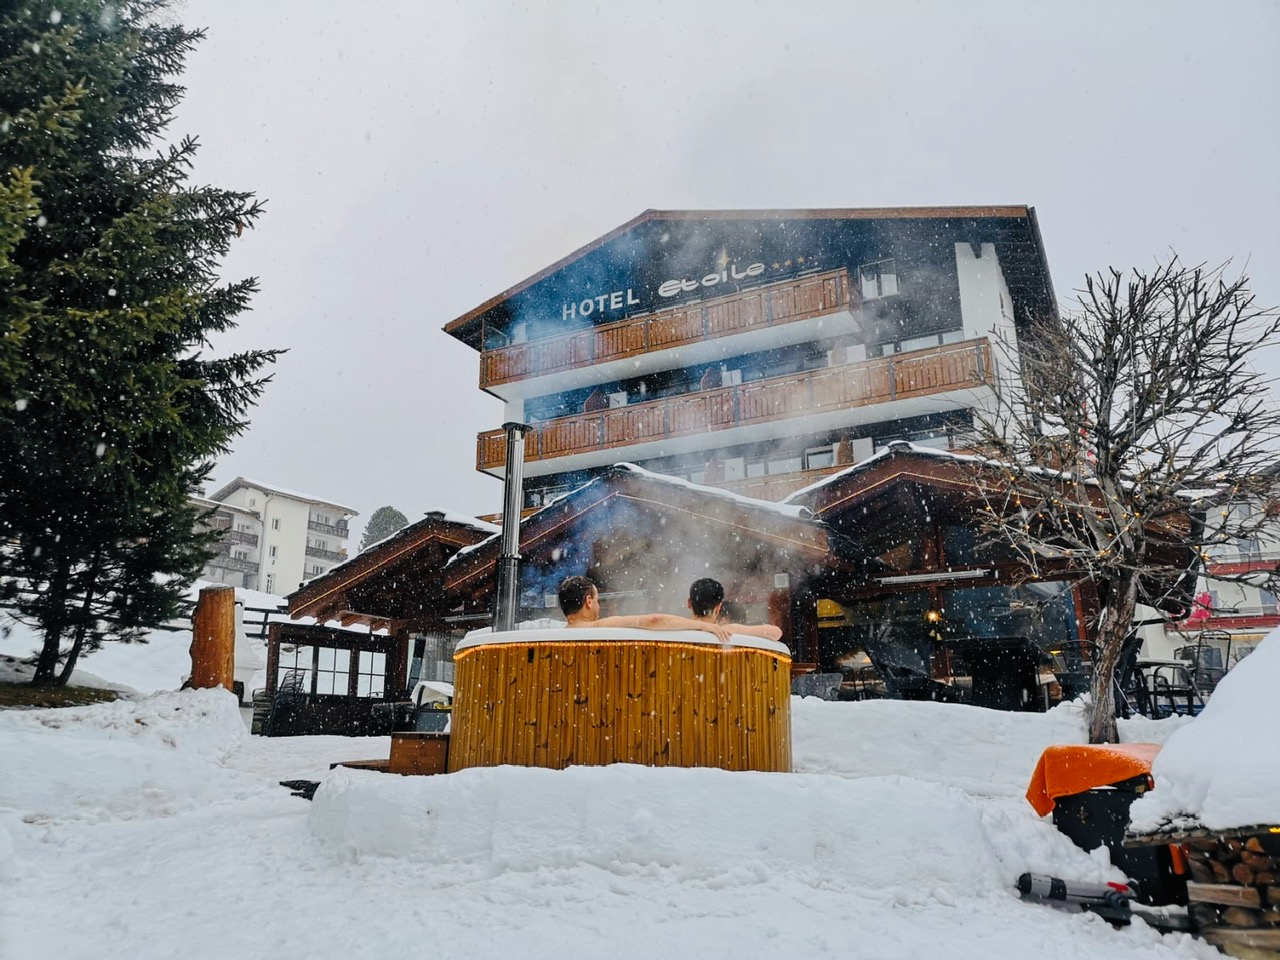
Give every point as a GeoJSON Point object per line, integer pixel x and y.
{"type": "Point", "coordinates": [334, 593]}
{"type": "Point", "coordinates": [246, 482]}
{"type": "Point", "coordinates": [208, 504]}
{"type": "Point", "coordinates": [788, 527]}
{"type": "Point", "coordinates": [816, 495]}
{"type": "Point", "coordinates": [467, 326]}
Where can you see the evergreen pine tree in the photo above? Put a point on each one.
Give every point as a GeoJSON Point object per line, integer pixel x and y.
{"type": "Point", "coordinates": [111, 407]}
{"type": "Point", "coordinates": [384, 522]}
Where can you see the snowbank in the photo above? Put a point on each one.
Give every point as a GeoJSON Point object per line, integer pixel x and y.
{"type": "Point", "coordinates": [121, 760]}
{"type": "Point", "coordinates": [1222, 770]}
{"type": "Point", "coordinates": [984, 752]}
{"type": "Point", "coordinates": [877, 833]}
{"type": "Point", "coordinates": [108, 811]}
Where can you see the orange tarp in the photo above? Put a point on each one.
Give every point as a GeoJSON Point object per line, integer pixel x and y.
{"type": "Point", "coordinates": [1076, 767]}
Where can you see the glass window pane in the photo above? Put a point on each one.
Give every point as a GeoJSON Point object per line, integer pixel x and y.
{"type": "Point", "coordinates": [785, 465]}
{"type": "Point", "coordinates": [870, 289]}
{"type": "Point", "coordinates": [888, 279]}
{"type": "Point", "coordinates": [920, 343]}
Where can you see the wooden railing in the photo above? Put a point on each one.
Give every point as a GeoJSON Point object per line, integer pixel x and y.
{"type": "Point", "coordinates": [766, 306]}
{"type": "Point", "coordinates": [898, 377]}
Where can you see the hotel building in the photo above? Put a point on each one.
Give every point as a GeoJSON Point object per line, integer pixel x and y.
{"type": "Point", "coordinates": [757, 351]}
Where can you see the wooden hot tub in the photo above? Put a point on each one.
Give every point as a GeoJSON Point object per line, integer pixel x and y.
{"type": "Point", "coordinates": [552, 698]}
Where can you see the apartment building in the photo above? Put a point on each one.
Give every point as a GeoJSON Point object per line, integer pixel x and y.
{"type": "Point", "coordinates": [273, 539]}
{"type": "Point", "coordinates": [757, 351]}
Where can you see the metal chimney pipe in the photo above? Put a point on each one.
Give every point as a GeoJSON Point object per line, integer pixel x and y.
{"type": "Point", "coordinates": [507, 600]}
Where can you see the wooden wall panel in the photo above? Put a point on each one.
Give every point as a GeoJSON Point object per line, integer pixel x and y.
{"type": "Point", "coordinates": [557, 703]}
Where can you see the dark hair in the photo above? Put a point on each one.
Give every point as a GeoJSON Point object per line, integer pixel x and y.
{"type": "Point", "coordinates": [573, 594]}
{"type": "Point", "coordinates": [704, 595]}
{"type": "Point", "coordinates": [732, 612]}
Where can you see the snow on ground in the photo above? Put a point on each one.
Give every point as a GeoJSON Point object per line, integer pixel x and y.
{"type": "Point", "coordinates": [1223, 769]}
{"type": "Point", "coordinates": [156, 828]}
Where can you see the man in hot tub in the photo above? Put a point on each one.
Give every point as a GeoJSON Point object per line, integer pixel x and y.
{"type": "Point", "coordinates": [580, 602]}
{"type": "Point", "coordinates": [706, 602]}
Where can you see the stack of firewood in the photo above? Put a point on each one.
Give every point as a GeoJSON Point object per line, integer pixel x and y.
{"type": "Point", "coordinates": [1234, 896]}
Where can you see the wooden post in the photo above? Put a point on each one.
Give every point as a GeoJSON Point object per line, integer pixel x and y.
{"type": "Point", "coordinates": [213, 638]}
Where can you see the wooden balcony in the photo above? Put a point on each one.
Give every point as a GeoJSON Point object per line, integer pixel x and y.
{"type": "Point", "coordinates": [767, 306]}
{"type": "Point", "coordinates": [903, 376]}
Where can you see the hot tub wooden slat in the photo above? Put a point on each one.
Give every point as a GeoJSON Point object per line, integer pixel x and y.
{"type": "Point", "coordinates": [556, 703]}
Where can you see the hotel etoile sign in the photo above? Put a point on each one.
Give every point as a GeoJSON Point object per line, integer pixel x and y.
{"type": "Point", "coordinates": [723, 271]}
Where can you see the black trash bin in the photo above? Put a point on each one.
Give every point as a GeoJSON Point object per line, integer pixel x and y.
{"type": "Point", "coordinates": [1099, 817]}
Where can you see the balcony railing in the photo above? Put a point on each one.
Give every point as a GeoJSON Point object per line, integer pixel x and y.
{"type": "Point", "coordinates": [239, 536]}
{"type": "Point", "coordinates": [332, 529]}
{"type": "Point", "coordinates": [885, 379]}
{"type": "Point", "coordinates": [766, 306]}
{"type": "Point", "coordinates": [227, 562]}
{"type": "Point", "coordinates": [325, 554]}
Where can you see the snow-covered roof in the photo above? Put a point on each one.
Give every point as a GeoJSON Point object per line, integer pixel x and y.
{"type": "Point", "coordinates": [446, 516]}
{"type": "Point", "coordinates": [790, 511]}
{"type": "Point", "coordinates": [897, 446]}
{"type": "Point", "coordinates": [272, 488]}
{"type": "Point", "coordinates": [219, 505]}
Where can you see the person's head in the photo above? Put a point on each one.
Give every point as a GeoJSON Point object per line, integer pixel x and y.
{"type": "Point", "coordinates": [578, 595]}
{"type": "Point", "coordinates": [705, 597]}
{"type": "Point", "coordinates": [732, 612]}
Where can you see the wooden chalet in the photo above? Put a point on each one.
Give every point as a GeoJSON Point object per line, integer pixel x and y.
{"type": "Point", "coordinates": [879, 576]}
{"type": "Point", "coordinates": [335, 680]}
{"type": "Point", "coordinates": [950, 613]}
{"type": "Point", "coordinates": [644, 538]}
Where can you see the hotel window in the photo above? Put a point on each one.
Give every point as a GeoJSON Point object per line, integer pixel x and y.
{"type": "Point", "coordinates": [371, 678]}
{"type": "Point", "coordinates": [333, 671]}
{"type": "Point", "coordinates": [275, 524]}
{"type": "Point", "coordinates": [271, 582]}
{"type": "Point", "coordinates": [273, 552]}
{"type": "Point", "coordinates": [816, 458]}
{"type": "Point", "coordinates": [879, 279]}
{"type": "Point", "coordinates": [789, 464]}
{"type": "Point", "coordinates": [294, 672]}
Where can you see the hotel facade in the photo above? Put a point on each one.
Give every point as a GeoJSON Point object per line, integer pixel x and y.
{"type": "Point", "coordinates": [757, 351]}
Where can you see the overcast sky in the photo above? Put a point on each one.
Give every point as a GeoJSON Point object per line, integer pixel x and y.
{"type": "Point", "coordinates": [418, 158]}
